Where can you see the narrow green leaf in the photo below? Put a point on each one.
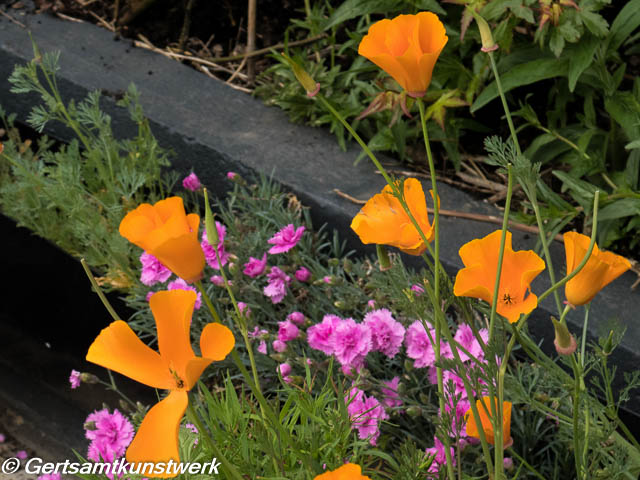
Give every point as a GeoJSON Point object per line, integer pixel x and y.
{"type": "Point", "coordinates": [356, 8]}
{"type": "Point", "coordinates": [626, 207]}
{"type": "Point", "coordinates": [580, 57]}
{"type": "Point", "coordinates": [582, 188]}
{"type": "Point", "coordinates": [594, 22]}
{"type": "Point", "coordinates": [632, 145]}
{"type": "Point", "coordinates": [624, 24]}
{"type": "Point", "coordinates": [625, 110]}
{"type": "Point", "coordinates": [523, 74]}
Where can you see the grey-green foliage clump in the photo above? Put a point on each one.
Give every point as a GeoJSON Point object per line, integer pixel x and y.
{"type": "Point", "coordinates": [75, 195]}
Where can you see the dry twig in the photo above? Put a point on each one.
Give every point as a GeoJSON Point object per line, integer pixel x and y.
{"type": "Point", "coordinates": [5, 14]}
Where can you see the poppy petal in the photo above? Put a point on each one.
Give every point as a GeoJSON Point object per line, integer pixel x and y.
{"type": "Point", "coordinates": [216, 341]}
{"type": "Point", "coordinates": [173, 310]}
{"type": "Point", "coordinates": [182, 255]}
{"type": "Point", "coordinates": [157, 437]}
{"type": "Point", "coordinates": [119, 349]}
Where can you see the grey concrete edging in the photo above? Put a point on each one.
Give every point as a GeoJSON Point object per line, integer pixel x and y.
{"type": "Point", "coordinates": [214, 129]}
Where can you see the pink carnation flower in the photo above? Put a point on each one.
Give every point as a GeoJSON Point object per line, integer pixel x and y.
{"type": "Point", "coordinates": [287, 331]}
{"type": "Point", "coordinates": [191, 182]}
{"type": "Point", "coordinates": [74, 379]}
{"type": "Point", "coordinates": [351, 343]}
{"type": "Point", "coordinates": [417, 289]}
{"type": "Point", "coordinates": [210, 252]}
{"type": "Point", "coordinates": [244, 309]}
{"type": "Point", "coordinates": [262, 347]}
{"type": "Point", "coordinates": [465, 337]}
{"type": "Point", "coordinates": [419, 347]}
{"type": "Point", "coordinates": [371, 304]}
{"type": "Point", "coordinates": [390, 391]}
{"type": "Point", "coordinates": [287, 238]}
{"type": "Point", "coordinates": [149, 295]}
{"type": "Point", "coordinates": [319, 335]}
{"type": "Point", "coordinates": [255, 267]}
{"type": "Point", "coordinates": [439, 456]}
{"type": "Point", "coordinates": [296, 317]}
{"type": "Point", "coordinates": [303, 274]}
{"type": "Point", "coordinates": [231, 175]}
{"type": "Point", "coordinates": [22, 454]}
{"type": "Point", "coordinates": [218, 281]}
{"type": "Point", "coordinates": [284, 369]}
{"type": "Point", "coordinates": [387, 334]}
{"type": "Point", "coordinates": [257, 332]}
{"type": "Point", "coordinates": [279, 346]}
{"type": "Point", "coordinates": [180, 284]}
{"type": "Point", "coordinates": [366, 414]}
{"type": "Point", "coordinates": [152, 270]}
{"type": "Point", "coordinates": [110, 435]}
{"type": "Point", "coordinates": [2, 438]}
{"type": "Point", "coordinates": [278, 283]}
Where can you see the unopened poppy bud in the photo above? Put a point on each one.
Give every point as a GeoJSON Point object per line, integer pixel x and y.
{"type": "Point", "coordinates": [210, 225]}
{"type": "Point", "coordinates": [564, 342]}
{"type": "Point", "coordinates": [278, 357]}
{"type": "Point", "coordinates": [347, 265]}
{"type": "Point", "coordinates": [402, 388]}
{"type": "Point", "coordinates": [488, 45]}
{"type": "Point", "coordinates": [383, 258]}
{"type": "Point", "coordinates": [607, 348]}
{"type": "Point", "coordinates": [308, 83]}
{"type": "Point", "coordinates": [233, 268]}
{"type": "Point", "coordinates": [89, 378]}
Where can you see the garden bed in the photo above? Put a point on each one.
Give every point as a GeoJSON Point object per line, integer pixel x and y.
{"type": "Point", "coordinates": [213, 129]}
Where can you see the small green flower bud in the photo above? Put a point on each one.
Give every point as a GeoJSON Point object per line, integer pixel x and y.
{"type": "Point", "coordinates": [402, 387]}
{"type": "Point", "coordinates": [89, 378]}
{"type": "Point", "coordinates": [90, 426]}
{"type": "Point", "coordinates": [608, 346]}
{"type": "Point", "coordinates": [414, 411]}
{"type": "Point", "coordinates": [308, 83]}
{"type": "Point", "coordinates": [210, 225]}
{"type": "Point", "coordinates": [408, 365]}
{"type": "Point", "coordinates": [488, 45]}
{"type": "Point", "coordinates": [424, 398]}
{"type": "Point", "coordinates": [340, 305]}
{"type": "Point", "coordinates": [564, 342]}
{"type": "Point", "coordinates": [278, 357]}
{"type": "Point", "coordinates": [347, 265]}
{"type": "Point", "coordinates": [334, 262]}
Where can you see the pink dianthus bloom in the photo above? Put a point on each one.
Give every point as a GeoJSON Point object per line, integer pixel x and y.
{"type": "Point", "coordinates": [22, 454]}
{"type": "Point", "coordinates": [296, 317]}
{"type": "Point", "coordinates": [255, 267]}
{"type": "Point", "coordinates": [262, 347]}
{"type": "Point", "coordinates": [439, 455]}
{"type": "Point", "coordinates": [284, 369]}
{"type": "Point", "coordinates": [231, 175]}
{"type": "Point", "coordinates": [320, 335]}
{"type": "Point", "coordinates": [149, 295]}
{"type": "Point", "coordinates": [390, 391]}
{"type": "Point", "coordinates": [210, 252]}
{"type": "Point", "coordinates": [371, 304]}
{"type": "Point", "coordinates": [279, 346]}
{"type": "Point", "coordinates": [287, 238]}
{"type": "Point", "coordinates": [387, 334]}
{"type": "Point", "coordinates": [244, 309]}
{"type": "Point", "coordinates": [417, 289]}
{"type": "Point", "coordinates": [218, 281]}
{"type": "Point", "coordinates": [191, 182]}
{"type": "Point", "coordinates": [257, 332]}
{"type": "Point", "coordinates": [419, 346]}
{"type": "Point", "coordinates": [50, 476]}
{"type": "Point", "coordinates": [278, 283]}
{"type": "Point", "coordinates": [303, 274]}
{"type": "Point", "coordinates": [351, 343]}
{"type": "Point", "coordinates": [465, 337]}
{"type": "Point", "coordinates": [152, 270]}
{"type": "Point", "coordinates": [74, 379]}
{"type": "Point", "coordinates": [110, 435]}
{"type": "Point", "coordinates": [180, 284]}
{"type": "Point", "coordinates": [287, 331]}
{"type": "Point", "coordinates": [365, 413]}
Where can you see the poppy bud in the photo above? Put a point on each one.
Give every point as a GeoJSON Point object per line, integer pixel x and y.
{"type": "Point", "coordinates": [414, 411]}
{"type": "Point", "coordinates": [565, 342]}
{"type": "Point", "coordinates": [212, 231]}
{"type": "Point", "coordinates": [89, 378]}
{"type": "Point", "coordinates": [608, 346]}
{"type": "Point", "coordinates": [383, 258]}
{"type": "Point", "coordinates": [308, 83]}
{"type": "Point", "coordinates": [488, 45]}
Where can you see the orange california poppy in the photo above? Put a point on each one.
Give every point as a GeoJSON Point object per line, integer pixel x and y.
{"type": "Point", "coordinates": [407, 48]}
{"type": "Point", "coordinates": [348, 471]}
{"type": "Point", "coordinates": [601, 269]}
{"type": "Point", "coordinates": [480, 258]}
{"type": "Point", "coordinates": [167, 233]}
{"type": "Point", "coordinates": [383, 221]}
{"type": "Point", "coordinates": [487, 427]}
{"type": "Point", "coordinates": [175, 368]}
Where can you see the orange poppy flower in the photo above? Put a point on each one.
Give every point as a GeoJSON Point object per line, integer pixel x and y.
{"type": "Point", "coordinates": [407, 48]}
{"type": "Point", "coordinates": [348, 471]}
{"type": "Point", "coordinates": [167, 233]}
{"type": "Point", "coordinates": [487, 427]}
{"type": "Point", "coordinates": [383, 221]}
{"type": "Point", "coordinates": [175, 368]}
{"type": "Point", "coordinates": [480, 258]}
{"type": "Point", "coordinates": [601, 269]}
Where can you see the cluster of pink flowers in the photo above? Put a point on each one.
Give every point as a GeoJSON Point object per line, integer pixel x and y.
{"type": "Point", "coordinates": [366, 414]}
{"type": "Point", "coordinates": [439, 455]}
{"type": "Point", "coordinates": [210, 252]}
{"type": "Point", "coordinates": [350, 342]}
{"type": "Point", "coordinates": [391, 398]}
{"type": "Point", "coordinates": [110, 435]}
{"type": "Point", "coordinates": [260, 335]}
{"type": "Point", "coordinates": [152, 270]}
{"type": "Point", "coordinates": [180, 284]}
{"type": "Point", "coordinates": [191, 182]}
{"type": "Point", "coordinates": [285, 370]}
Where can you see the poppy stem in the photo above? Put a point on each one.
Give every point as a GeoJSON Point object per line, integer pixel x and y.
{"type": "Point", "coordinates": [505, 106]}
{"type": "Point", "coordinates": [98, 290]}
{"type": "Point", "coordinates": [207, 300]}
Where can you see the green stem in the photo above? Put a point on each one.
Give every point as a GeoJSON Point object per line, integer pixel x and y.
{"type": "Point", "coordinates": [503, 237]}
{"type": "Point", "coordinates": [505, 106]}
{"type": "Point", "coordinates": [98, 290]}
{"type": "Point", "coordinates": [228, 466]}
{"type": "Point", "coordinates": [207, 301]}
{"type": "Point", "coordinates": [583, 340]}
